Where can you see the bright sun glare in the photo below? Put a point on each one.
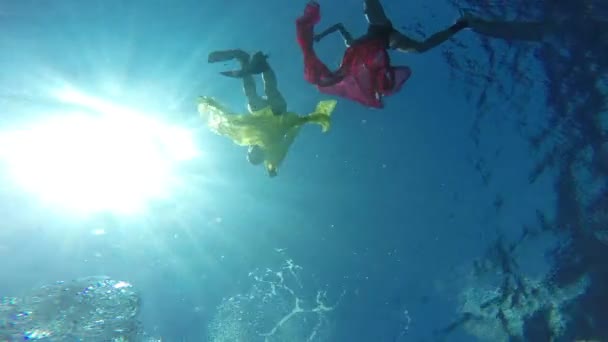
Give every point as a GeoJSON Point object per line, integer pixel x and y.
{"type": "Point", "coordinates": [107, 158]}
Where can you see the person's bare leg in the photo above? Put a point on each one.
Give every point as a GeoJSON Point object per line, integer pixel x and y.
{"type": "Point", "coordinates": [271, 88]}
{"type": "Point", "coordinates": [401, 42]}
{"type": "Point", "coordinates": [254, 101]}
{"type": "Point", "coordinates": [374, 13]}
{"type": "Point", "coordinates": [509, 30]}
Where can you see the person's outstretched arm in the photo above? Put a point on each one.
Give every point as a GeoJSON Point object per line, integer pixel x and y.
{"type": "Point", "coordinates": [274, 98]}
{"type": "Point", "coordinates": [348, 38]}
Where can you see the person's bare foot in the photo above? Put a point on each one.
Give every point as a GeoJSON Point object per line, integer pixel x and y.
{"type": "Point", "coordinates": [226, 55]}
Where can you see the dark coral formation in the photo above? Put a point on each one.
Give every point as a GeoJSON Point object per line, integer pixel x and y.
{"type": "Point", "coordinates": [570, 144]}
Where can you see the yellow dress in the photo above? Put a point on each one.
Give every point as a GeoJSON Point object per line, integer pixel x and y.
{"type": "Point", "coordinates": [273, 133]}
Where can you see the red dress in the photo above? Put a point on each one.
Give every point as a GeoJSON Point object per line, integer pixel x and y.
{"type": "Point", "coordinates": [365, 75]}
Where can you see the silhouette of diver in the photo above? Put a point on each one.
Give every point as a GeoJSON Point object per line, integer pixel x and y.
{"type": "Point", "coordinates": [365, 74]}
{"type": "Point", "coordinates": [269, 129]}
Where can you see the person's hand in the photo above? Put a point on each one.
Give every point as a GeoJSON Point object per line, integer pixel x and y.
{"type": "Point", "coordinates": [313, 3]}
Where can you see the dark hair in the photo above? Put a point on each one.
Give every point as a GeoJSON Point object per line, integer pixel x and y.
{"type": "Point", "coordinates": [255, 155]}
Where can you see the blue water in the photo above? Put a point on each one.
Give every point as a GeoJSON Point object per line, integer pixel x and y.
{"type": "Point", "coordinates": [387, 209]}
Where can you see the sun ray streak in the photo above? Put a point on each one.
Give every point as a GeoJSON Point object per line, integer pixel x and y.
{"type": "Point", "coordinates": [100, 157]}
